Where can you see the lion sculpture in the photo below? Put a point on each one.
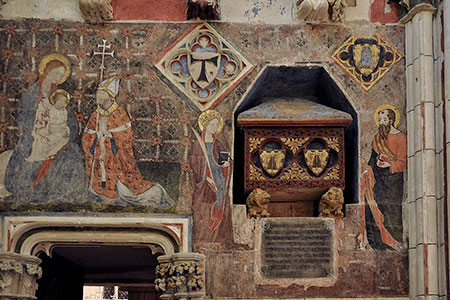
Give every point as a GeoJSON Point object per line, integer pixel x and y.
{"type": "Point", "coordinates": [330, 204]}
{"type": "Point", "coordinates": [258, 204]}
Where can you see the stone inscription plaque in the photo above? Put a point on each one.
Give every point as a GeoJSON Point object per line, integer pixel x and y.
{"type": "Point", "coordinates": [297, 248]}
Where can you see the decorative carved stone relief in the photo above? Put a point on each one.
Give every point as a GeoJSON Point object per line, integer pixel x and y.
{"type": "Point", "coordinates": [18, 275]}
{"type": "Point", "coordinates": [181, 276]}
{"type": "Point", "coordinates": [203, 9]}
{"type": "Point", "coordinates": [367, 60]}
{"type": "Point", "coordinates": [312, 10]}
{"type": "Point", "coordinates": [321, 10]}
{"type": "Point", "coordinates": [338, 10]}
{"type": "Point", "coordinates": [203, 66]}
{"type": "Point", "coordinates": [96, 11]}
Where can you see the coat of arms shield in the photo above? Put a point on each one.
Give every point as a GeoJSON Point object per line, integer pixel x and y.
{"type": "Point", "coordinates": [366, 57]}
{"type": "Point", "coordinates": [317, 160]}
{"type": "Point", "coordinates": [203, 67]}
{"type": "Point", "coordinates": [272, 161]}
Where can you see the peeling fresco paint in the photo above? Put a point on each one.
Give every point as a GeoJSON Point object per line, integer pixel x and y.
{"type": "Point", "coordinates": [266, 11]}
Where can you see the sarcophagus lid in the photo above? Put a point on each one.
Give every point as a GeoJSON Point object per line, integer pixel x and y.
{"type": "Point", "coordinates": [293, 112]}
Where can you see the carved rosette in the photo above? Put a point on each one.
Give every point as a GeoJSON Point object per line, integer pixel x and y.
{"type": "Point", "coordinates": [181, 276]}
{"type": "Point", "coordinates": [18, 275]}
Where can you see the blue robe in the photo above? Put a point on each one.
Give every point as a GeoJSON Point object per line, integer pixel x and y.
{"type": "Point", "coordinates": [65, 180]}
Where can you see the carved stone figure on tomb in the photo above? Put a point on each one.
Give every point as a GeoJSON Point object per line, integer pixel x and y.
{"type": "Point", "coordinates": [383, 181]}
{"type": "Point", "coordinates": [211, 165]}
{"type": "Point", "coordinates": [58, 175]}
{"type": "Point", "coordinates": [330, 204]}
{"type": "Point", "coordinates": [111, 168]}
{"type": "Point", "coordinates": [258, 204]}
{"type": "Point", "coordinates": [202, 9]}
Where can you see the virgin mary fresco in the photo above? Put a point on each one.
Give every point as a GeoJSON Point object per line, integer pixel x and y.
{"type": "Point", "coordinates": [58, 177]}
{"type": "Point", "coordinates": [48, 166]}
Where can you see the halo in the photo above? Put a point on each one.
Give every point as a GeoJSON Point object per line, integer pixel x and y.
{"type": "Point", "coordinates": [387, 106]}
{"type": "Point", "coordinates": [207, 116]}
{"type": "Point", "coordinates": [58, 92]}
{"type": "Point", "coordinates": [55, 56]}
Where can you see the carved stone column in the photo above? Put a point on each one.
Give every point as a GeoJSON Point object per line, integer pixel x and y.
{"type": "Point", "coordinates": [18, 275]}
{"type": "Point", "coordinates": [181, 276]}
{"type": "Point", "coordinates": [425, 201]}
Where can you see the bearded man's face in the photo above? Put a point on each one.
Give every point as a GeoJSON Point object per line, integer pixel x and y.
{"type": "Point", "coordinates": [384, 124]}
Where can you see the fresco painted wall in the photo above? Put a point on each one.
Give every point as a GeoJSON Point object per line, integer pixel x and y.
{"type": "Point", "coordinates": [155, 132]}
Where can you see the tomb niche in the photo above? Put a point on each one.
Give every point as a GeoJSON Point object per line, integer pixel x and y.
{"type": "Point", "coordinates": [294, 150]}
{"type": "Point", "coordinates": [296, 160]}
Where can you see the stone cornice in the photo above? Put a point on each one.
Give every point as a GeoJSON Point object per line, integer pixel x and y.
{"type": "Point", "coordinates": [416, 10]}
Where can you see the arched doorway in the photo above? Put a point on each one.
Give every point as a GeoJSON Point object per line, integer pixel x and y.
{"type": "Point", "coordinates": [77, 251]}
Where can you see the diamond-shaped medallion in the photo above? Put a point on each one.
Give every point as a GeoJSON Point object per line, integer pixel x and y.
{"type": "Point", "coordinates": [203, 66]}
{"type": "Point", "coordinates": [367, 60]}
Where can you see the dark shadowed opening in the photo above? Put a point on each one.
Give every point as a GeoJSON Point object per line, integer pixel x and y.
{"type": "Point", "coordinates": [70, 267]}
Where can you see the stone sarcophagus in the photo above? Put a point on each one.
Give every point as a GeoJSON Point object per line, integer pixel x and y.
{"type": "Point", "coordinates": [294, 150]}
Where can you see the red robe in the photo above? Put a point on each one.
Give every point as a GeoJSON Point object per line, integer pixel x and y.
{"type": "Point", "coordinates": [210, 226]}
{"type": "Point", "coordinates": [119, 160]}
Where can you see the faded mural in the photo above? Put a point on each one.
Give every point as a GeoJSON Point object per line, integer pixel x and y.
{"type": "Point", "coordinates": [211, 166]}
{"type": "Point", "coordinates": [382, 183]}
{"type": "Point", "coordinates": [139, 118]}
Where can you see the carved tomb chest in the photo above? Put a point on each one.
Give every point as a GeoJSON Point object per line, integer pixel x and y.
{"type": "Point", "coordinates": [294, 149]}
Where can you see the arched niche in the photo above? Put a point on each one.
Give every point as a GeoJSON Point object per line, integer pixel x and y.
{"type": "Point", "coordinates": [311, 82]}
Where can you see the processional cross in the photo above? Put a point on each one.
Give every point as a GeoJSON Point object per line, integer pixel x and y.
{"type": "Point", "coordinates": [103, 47]}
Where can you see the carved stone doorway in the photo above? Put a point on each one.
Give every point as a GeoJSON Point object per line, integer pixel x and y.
{"type": "Point", "coordinates": [77, 250]}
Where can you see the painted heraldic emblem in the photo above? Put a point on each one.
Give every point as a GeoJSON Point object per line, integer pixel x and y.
{"type": "Point", "coordinates": [272, 161]}
{"type": "Point", "coordinates": [366, 60]}
{"type": "Point", "coordinates": [317, 160]}
{"type": "Point", "coordinates": [203, 66]}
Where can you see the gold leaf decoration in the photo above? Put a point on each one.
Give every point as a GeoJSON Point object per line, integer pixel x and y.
{"type": "Point", "coordinates": [295, 173]}
{"type": "Point", "coordinates": [333, 174]}
{"type": "Point", "coordinates": [255, 174]}
{"type": "Point", "coordinates": [294, 143]}
{"type": "Point", "coordinates": [254, 143]}
{"type": "Point", "coordinates": [333, 143]}
{"type": "Point", "coordinates": [362, 59]}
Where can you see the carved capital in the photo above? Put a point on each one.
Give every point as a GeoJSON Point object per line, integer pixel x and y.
{"type": "Point", "coordinates": [18, 275]}
{"type": "Point", "coordinates": [96, 11]}
{"type": "Point", "coordinates": [417, 9]}
{"type": "Point", "coordinates": [181, 276]}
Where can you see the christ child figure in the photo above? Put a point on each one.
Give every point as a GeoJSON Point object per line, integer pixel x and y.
{"type": "Point", "coordinates": [51, 132]}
